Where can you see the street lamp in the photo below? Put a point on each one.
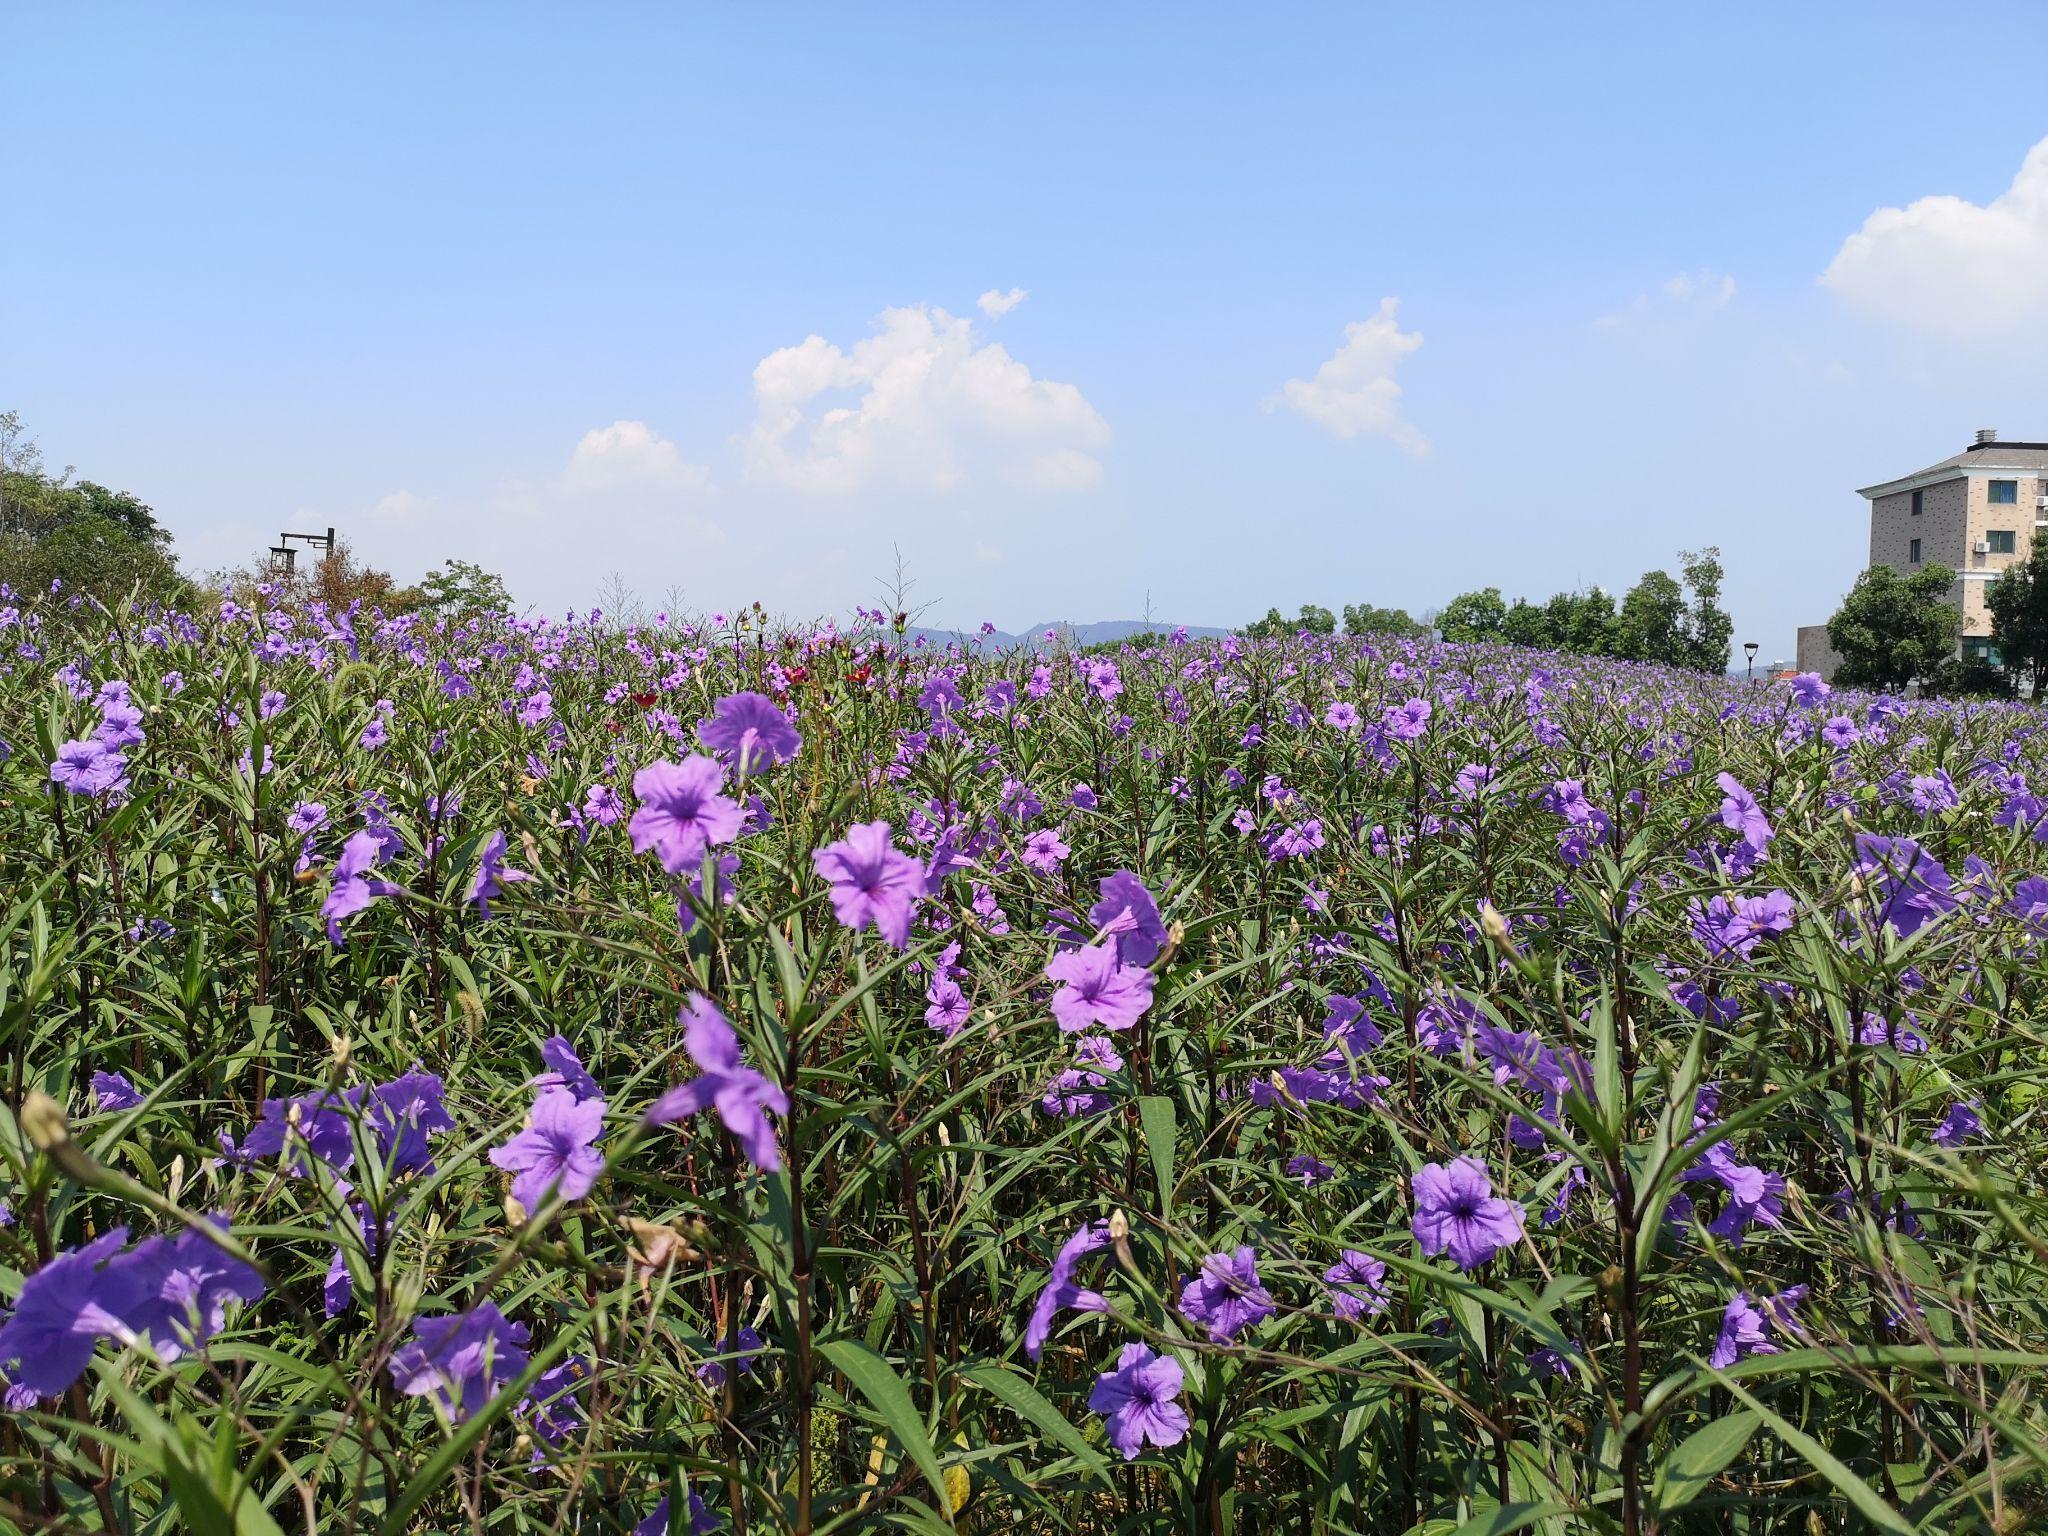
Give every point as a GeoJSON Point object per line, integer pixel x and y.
{"type": "Point", "coordinates": [1749, 649]}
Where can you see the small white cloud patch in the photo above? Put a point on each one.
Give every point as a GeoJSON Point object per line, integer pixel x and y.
{"type": "Point", "coordinates": [1354, 392]}
{"type": "Point", "coordinates": [996, 304]}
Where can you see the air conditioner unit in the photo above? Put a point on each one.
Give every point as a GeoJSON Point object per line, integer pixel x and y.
{"type": "Point", "coordinates": [1982, 546]}
{"type": "Point", "coordinates": [2041, 503]}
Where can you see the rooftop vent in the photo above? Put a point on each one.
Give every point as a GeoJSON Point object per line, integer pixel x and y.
{"type": "Point", "coordinates": [1986, 435]}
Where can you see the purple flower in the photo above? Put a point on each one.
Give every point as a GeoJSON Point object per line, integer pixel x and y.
{"type": "Point", "coordinates": [1912, 887]}
{"type": "Point", "coordinates": [1341, 716]}
{"type": "Point", "coordinates": [1358, 1285]}
{"type": "Point", "coordinates": [741, 1349]}
{"type": "Point", "coordinates": [181, 1286]}
{"type": "Point", "coordinates": [737, 1092]}
{"type": "Point", "coordinates": [557, 1151]}
{"type": "Point", "coordinates": [1226, 1296]}
{"type": "Point", "coordinates": [322, 1121]}
{"type": "Point", "coordinates": [1959, 1125]}
{"type": "Point", "coordinates": [1128, 913]}
{"type": "Point", "coordinates": [351, 884]}
{"type": "Point", "coordinates": [1310, 1170]}
{"type": "Point", "coordinates": [2030, 903]}
{"type": "Point", "coordinates": [1754, 1196]}
{"type": "Point", "coordinates": [1840, 732]}
{"type": "Point", "coordinates": [88, 767]}
{"type": "Point", "coordinates": [947, 1009]}
{"type": "Point", "coordinates": [1098, 989]}
{"type": "Point", "coordinates": [402, 1114]}
{"type": "Point", "coordinates": [1061, 1291]}
{"type": "Point", "coordinates": [1740, 813]}
{"type": "Point", "coordinates": [748, 732]}
{"type": "Point", "coordinates": [551, 1401]}
{"type": "Point", "coordinates": [1045, 852]}
{"type": "Point", "coordinates": [1808, 689]}
{"type": "Point", "coordinates": [1901, 1037]}
{"type": "Point", "coordinates": [1734, 927]}
{"type": "Point", "coordinates": [307, 816]}
{"type": "Point", "coordinates": [682, 812]}
{"type": "Point", "coordinates": [492, 876]}
{"type": "Point", "coordinates": [1748, 1328]}
{"type": "Point", "coordinates": [460, 1361]}
{"type": "Point", "coordinates": [565, 1070]}
{"type": "Point", "coordinates": [64, 1309]}
{"type": "Point", "coordinates": [1140, 1398]}
{"type": "Point", "coordinates": [702, 1521]}
{"type": "Point", "coordinates": [1456, 1211]}
{"type": "Point", "coordinates": [112, 1091]}
{"type": "Point", "coordinates": [1407, 722]}
{"type": "Point", "coordinates": [872, 882]}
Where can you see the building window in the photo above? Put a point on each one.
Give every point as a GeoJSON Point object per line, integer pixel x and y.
{"type": "Point", "coordinates": [1916, 502]}
{"type": "Point", "coordinates": [2005, 493]}
{"type": "Point", "coordinates": [2001, 541]}
{"type": "Point", "coordinates": [1913, 552]}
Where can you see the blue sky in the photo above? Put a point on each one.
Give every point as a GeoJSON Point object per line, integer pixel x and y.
{"type": "Point", "coordinates": [532, 285]}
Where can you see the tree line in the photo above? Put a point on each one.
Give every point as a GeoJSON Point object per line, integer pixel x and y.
{"type": "Point", "coordinates": [77, 537]}
{"type": "Point", "coordinates": [1677, 621]}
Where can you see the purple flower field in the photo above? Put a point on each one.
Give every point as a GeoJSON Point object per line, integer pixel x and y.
{"type": "Point", "coordinates": [532, 1076]}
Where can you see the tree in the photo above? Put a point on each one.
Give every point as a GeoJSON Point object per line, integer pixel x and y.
{"type": "Point", "coordinates": [1473, 616]}
{"type": "Point", "coordinates": [463, 590]}
{"type": "Point", "coordinates": [1652, 622]}
{"type": "Point", "coordinates": [1271, 627]}
{"type": "Point", "coordinates": [1318, 621]}
{"type": "Point", "coordinates": [1708, 627]}
{"type": "Point", "coordinates": [2018, 601]}
{"type": "Point", "coordinates": [1892, 629]}
{"type": "Point", "coordinates": [87, 540]}
{"type": "Point", "coordinates": [1582, 622]}
{"type": "Point", "coordinates": [1366, 619]}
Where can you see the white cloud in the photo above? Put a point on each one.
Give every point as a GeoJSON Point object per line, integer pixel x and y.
{"type": "Point", "coordinates": [625, 500]}
{"type": "Point", "coordinates": [1683, 293]}
{"type": "Point", "coordinates": [924, 406]}
{"type": "Point", "coordinates": [996, 304]}
{"type": "Point", "coordinates": [1947, 265]}
{"type": "Point", "coordinates": [1354, 391]}
{"type": "Point", "coordinates": [628, 452]}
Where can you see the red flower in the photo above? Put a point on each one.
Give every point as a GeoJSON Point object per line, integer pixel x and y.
{"type": "Point", "coordinates": [645, 700]}
{"type": "Point", "coordinates": [797, 675]}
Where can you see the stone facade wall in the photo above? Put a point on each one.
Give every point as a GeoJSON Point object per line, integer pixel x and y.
{"type": "Point", "coordinates": [1815, 654]}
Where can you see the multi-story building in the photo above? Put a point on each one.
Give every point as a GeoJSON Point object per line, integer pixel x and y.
{"type": "Point", "coordinates": [1975, 513]}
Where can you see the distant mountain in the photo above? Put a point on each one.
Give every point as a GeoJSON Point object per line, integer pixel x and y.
{"type": "Point", "coordinates": [1103, 632]}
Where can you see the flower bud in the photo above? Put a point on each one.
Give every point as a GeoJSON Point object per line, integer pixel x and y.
{"type": "Point", "coordinates": [42, 1121]}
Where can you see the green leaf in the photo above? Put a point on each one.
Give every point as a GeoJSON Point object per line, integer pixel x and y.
{"type": "Point", "coordinates": [883, 1388]}
{"type": "Point", "coordinates": [1155, 1114]}
{"type": "Point", "coordinates": [1703, 1456]}
{"type": "Point", "coordinates": [1025, 1400]}
{"type": "Point", "coordinates": [1853, 1488]}
{"type": "Point", "coordinates": [1509, 1517]}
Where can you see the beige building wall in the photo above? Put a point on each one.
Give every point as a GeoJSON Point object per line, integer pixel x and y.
{"type": "Point", "coordinates": [1816, 653]}
{"type": "Point", "coordinates": [1985, 518]}
{"type": "Point", "coordinates": [1955, 516]}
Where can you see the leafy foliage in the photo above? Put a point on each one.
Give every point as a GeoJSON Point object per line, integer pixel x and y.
{"type": "Point", "coordinates": [1892, 630]}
